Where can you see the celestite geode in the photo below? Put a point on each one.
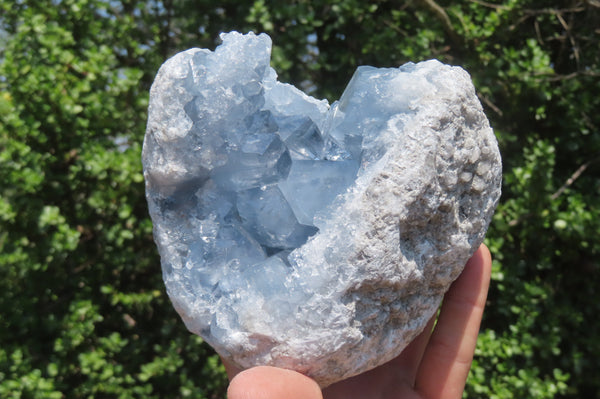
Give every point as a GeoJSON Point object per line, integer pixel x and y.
{"type": "Point", "coordinates": [309, 236]}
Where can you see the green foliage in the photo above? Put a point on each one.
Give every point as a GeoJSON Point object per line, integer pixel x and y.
{"type": "Point", "coordinates": [83, 309]}
{"type": "Point", "coordinates": [84, 312]}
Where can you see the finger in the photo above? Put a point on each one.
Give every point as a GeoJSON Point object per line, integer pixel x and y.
{"type": "Point", "coordinates": [407, 364]}
{"type": "Point", "coordinates": [396, 376]}
{"type": "Point", "coordinates": [449, 353]}
{"type": "Point", "coordinates": [267, 382]}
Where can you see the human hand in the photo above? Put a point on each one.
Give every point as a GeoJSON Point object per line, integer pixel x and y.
{"type": "Point", "coordinates": [434, 366]}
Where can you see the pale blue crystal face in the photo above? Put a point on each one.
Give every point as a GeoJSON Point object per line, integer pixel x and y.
{"type": "Point", "coordinates": [266, 214]}
{"type": "Point", "coordinates": [277, 173]}
{"type": "Point", "coordinates": [313, 184]}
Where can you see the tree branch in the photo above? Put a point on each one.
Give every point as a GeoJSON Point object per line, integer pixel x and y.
{"type": "Point", "coordinates": [442, 16]}
{"type": "Point", "coordinates": [490, 104]}
{"type": "Point", "coordinates": [574, 177]}
{"type": "Point", "coordinates": [572, 75]}
{"type": "Point", "coordinates": [489, 5]}
{"type": "Point", "coordinates": [574, 45]}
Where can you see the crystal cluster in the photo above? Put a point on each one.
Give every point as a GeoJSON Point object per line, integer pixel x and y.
{"type": "Point", "coordinates": [311, 236]}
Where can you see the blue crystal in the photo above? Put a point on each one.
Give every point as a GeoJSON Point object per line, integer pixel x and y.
{"type": "Point", "coordinates": [266, 215]}
{"type": "Point", "coordinates": [306, 142]}
{"type": "Point", "coordinates": [234, 244]}
{"type": "Point", "coordinates": [312, 185]}
{"type": "Point", "coordinates": [260, 122]}
{"type": "Point", "coordinates": [254, 166]}
{"type": "Point", "coordinates": [257, 143]}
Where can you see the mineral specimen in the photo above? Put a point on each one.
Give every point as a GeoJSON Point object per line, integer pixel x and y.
{"type": "Point", "coordinates": [309, 236]}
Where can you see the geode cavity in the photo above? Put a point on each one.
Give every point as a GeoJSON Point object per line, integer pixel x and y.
{"type": "Point", "coordinates": [309, 236]}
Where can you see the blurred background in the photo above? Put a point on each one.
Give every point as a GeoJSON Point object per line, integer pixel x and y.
{"type": "Point", "coordinates": [83, 311]}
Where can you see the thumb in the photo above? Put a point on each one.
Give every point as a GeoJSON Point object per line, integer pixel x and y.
{"type": "Point", "coordinates": [267, 382]}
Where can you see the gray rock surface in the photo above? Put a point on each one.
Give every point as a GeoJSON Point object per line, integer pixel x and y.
{"type": "Point", "coordinates": [309, 236]}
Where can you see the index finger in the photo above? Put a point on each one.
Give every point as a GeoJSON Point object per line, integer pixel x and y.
{"type": "Point", "coordinates": [449, 353]}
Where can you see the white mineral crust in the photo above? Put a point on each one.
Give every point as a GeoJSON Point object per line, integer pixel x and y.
{"type": "Point", "coordinates": [309, 236]}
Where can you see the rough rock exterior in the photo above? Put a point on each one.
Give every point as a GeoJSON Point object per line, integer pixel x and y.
{"type": "Point", "coordinates": [307, 236]}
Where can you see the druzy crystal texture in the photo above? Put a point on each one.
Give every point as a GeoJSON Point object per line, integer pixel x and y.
{"type": "Point", "coordinates": [310, 236]}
